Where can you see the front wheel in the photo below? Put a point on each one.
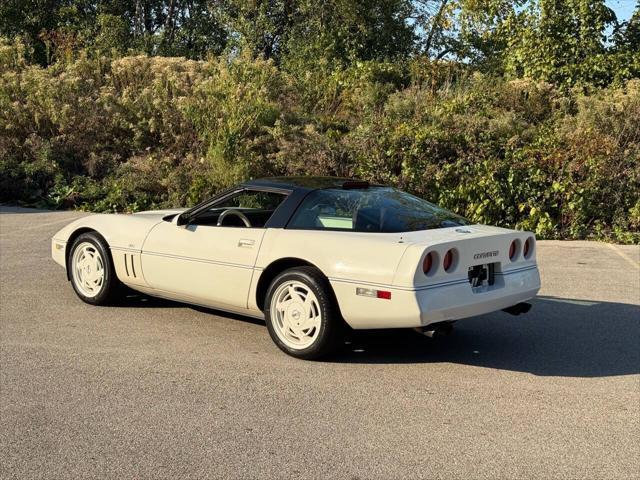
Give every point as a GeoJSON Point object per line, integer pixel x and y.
{"type": "Point", "coordinates": [91, 269]}
{"type": "Point", "coordinates": [302, 317]}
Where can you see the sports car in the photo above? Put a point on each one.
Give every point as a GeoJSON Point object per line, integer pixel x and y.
{"type": "Point", "coordinates": [312, 256]}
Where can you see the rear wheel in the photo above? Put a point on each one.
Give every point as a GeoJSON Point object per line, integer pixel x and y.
{"type": "Point", "coordinates": [91, 269]}
{"type": "Point", "coordinates": [301, 314]}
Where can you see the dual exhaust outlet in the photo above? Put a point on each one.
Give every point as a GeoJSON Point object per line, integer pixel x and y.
{"type": "Point", "coordinates": [444, 328]}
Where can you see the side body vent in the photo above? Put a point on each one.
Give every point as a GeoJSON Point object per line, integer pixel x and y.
{"type": "Point", "coordinates": [128, 268]}
{"type": "Point", "coordinates": [129, 265]}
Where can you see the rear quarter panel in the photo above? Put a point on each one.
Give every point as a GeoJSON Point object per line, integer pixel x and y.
{"type": "Point", "coordinates": [344, 257]}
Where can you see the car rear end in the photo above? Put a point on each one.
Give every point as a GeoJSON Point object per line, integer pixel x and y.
{"type": "Point", "coordinates": [405, 262]}
{"type": "Point", "coordinates": [444, 275]}
{"type": "Point", "coordinates": [471, 270]}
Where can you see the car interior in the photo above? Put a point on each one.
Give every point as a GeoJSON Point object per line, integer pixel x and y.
{"type": "Point", "coordinates": [369, 219]}
{"type": "Point", "coordinates": [363, 219]}
{"type": "Point", "coordinates": [257, 217]}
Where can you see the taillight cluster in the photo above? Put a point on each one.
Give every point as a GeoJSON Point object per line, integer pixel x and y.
{"type": "Point", "coordinates": [518, 250]}
{"type": "Point", "coordinates": [527, 249]}
{"type": "Point", "coordinates": [430, 262]}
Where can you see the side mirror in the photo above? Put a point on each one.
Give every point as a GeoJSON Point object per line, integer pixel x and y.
{"type": "Point", "coordinates": [183, 220]}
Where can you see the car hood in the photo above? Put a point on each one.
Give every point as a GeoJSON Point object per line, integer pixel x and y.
{"type": "Point", "coordinates": [119, 230]}
{"type": "Point", "coordinates": [159, 214]}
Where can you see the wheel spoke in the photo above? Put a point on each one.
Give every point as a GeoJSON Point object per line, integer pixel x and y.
{"type": "Point", "coordinates": [308, 301]}
{"type": "Point", "coordinates": [282, 306]}
{"type": "Point", "coordinates": [294, 294]}
{"type": "Point", "coordinates": [310, 322]}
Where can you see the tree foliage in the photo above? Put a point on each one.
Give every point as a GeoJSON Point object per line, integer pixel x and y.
{"type": "Point", "coordinates": [564, 41]}
{"type": "Point", "coordinates": [523, 114]}
{"type": "Point", "coordinates": [567, 43]}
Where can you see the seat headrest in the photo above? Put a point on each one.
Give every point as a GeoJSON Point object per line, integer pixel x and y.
{"type": "Point", "coordinates": [368, 219]}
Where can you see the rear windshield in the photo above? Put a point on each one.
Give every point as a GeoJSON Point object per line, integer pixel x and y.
{"type": "Point", "coordinates": [373, 209]}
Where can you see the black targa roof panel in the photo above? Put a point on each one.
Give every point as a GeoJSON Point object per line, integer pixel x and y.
{"type": "Point", "coordinates": [306, 183]}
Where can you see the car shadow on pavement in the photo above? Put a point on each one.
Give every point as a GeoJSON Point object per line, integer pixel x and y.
{"type": "Point", "coordinates": [134, 299]}
{"type": "Point", "coordinates": [558, 337]}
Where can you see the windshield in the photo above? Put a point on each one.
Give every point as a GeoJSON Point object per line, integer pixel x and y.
{"type": "Point", "coordinates": [373, 209]}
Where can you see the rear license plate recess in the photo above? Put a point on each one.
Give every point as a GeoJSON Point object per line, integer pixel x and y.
{"type": "Point", "coordinates": [480, 275]}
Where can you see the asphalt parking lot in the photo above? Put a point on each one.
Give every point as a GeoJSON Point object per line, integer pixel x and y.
{"type": "Point", "coordinates": [155, 389]}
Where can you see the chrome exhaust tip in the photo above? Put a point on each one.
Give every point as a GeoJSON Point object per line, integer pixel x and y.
{"type": "Point", "coordinates": [439, 329]}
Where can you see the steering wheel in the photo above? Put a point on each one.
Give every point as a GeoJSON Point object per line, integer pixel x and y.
{"type": "Point", "coordinates": [237, 213]}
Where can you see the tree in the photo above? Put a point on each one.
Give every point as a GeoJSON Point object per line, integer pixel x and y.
{"type": "Point", "coordinates": [33, 20]}
{"type": "Point", "coordinates": [192, 28]}
{"type": "Point", "coordinates": [196, 30]}
{"type": "Point", "coordinates": [435, 26]}
{"type": "Point", "coordinates": [561, 41]}
{"type": "Point", "coordinates": [626, 35]}
{"type": "Point", "coordinates": [339, 29]}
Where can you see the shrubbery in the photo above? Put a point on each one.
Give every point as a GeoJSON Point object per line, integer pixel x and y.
{"type": "Point", "coordinates": [144, 132]}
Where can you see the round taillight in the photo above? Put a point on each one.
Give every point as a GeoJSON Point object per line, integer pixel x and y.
{"type": "Point", "coordinates": [512, 250]}
{"type": "Point", "coordinates": [527, 247]}
{"type": "Point", "coordinates": [448, 260]}
{"type": "Point", "coordinates": [427, 263]}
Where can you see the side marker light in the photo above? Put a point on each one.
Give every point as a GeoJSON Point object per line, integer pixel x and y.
{"type": "Point", "coordinates": [369, 292]}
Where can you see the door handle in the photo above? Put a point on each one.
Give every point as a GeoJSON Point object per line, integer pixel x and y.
{"type": "Point", "coordinates": [246, 242]}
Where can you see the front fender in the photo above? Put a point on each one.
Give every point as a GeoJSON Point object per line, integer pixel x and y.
{"type": "Point", "coordinates": [119, 230]}
{"type": "Point", "coordinates": [124, 233]}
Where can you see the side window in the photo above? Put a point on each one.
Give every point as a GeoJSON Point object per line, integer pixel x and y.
{"type": "Point", "coordinates": [248, 200]}
{"type": "Point", "coordinates": [373, 209]}
{"type": "Point", "coordinates": [245, 209]}
{"type": "Point", "coordinates": [327, 209]}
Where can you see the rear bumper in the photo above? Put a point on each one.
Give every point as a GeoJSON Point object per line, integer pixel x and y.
{"type": "Point", "coordinates": [419, 307]}
{"type": "Point", "coordinates": [461, 301]}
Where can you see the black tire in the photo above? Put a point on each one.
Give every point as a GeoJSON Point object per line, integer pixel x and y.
{"type": "Point", "coordinates": [111, 286]}
{"type": "Point", "coordinates": [331, 332]}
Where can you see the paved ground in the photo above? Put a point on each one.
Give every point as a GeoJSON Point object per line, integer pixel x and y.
{"type": "Point", "coordinates": [157, 389]}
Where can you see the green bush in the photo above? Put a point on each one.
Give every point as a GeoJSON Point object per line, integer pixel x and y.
{"type": "Point", "coordinates": [134, 133]}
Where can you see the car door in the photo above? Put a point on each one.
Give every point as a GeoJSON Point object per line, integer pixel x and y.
{"type": "Point", "coordinates": [206, 262]}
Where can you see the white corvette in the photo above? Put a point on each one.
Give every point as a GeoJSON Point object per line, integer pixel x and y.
{"type": "Point", "coordinates": [310, 255]}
